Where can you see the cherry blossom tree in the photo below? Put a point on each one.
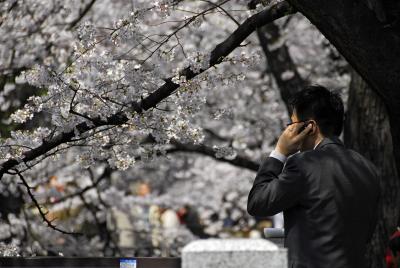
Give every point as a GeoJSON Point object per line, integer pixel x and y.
{"type": "Point", "coordinates": [177, 94]}
{"type": "Point", "coordinates": [101, 100]}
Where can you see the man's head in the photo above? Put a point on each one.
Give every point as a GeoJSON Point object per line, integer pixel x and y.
{"type": "Point", "coordinates": [322, 108]}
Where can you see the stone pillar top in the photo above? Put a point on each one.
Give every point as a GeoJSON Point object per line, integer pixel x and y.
{"type": "Point", "coordinates": [233, 244]}
{"type": "Point", "coordinates": [233, 253]}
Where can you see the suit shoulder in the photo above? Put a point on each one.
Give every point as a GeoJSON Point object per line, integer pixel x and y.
{"type": "Point", "coordinates": [364, 159]}
{"type": "Point", "coordinates": [306, 155]}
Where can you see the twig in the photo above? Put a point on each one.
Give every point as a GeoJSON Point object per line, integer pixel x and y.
{"type": "Point", "coordinates": [107, 172]}
{"type": "Point", "coordinates": [223, 10]}
{"type": "Point", "coordinates": [79, 18]}
{"type": "Point", "coordinates": [42, 213]}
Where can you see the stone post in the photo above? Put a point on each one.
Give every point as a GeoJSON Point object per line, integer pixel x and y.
{"type": "Point", "coordinates": [233, 253]}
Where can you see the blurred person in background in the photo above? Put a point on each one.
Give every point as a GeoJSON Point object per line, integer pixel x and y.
{"type": "Point", "coordinates": [189, 216]}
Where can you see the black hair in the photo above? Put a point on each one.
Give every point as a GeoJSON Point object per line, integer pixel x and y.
{"type": "Point", "coordinates": [324, 106]}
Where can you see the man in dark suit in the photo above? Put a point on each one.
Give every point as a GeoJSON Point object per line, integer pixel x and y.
{"type": "Point", "coordinates": [328, 194]}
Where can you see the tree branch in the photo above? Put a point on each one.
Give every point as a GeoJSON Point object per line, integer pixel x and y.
{"type": "Point", "coordinates": [106, 174]}
{"type": "Point", "coordinates": [73, 23]}
{"type": "Point", "coordinates": [42, 213]}
{"type": "Point", "coordinates": [238, 161]}
{"type": "Point", "coordinates": [203, 149]}
{"type": "Point", "coordinates": [224, 11]}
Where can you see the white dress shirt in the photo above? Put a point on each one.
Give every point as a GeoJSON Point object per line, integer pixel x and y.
{"type": "Point", "coordinates": [282, 157]}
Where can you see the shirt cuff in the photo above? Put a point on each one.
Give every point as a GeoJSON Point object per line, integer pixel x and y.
{"type": "Point", "coordinates": [277, 155]}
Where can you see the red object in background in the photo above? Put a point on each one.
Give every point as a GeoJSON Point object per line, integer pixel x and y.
{"type": "Point", "coordinates": [181, 214]}
{"type": "Point", "coordinates": [391, 260]}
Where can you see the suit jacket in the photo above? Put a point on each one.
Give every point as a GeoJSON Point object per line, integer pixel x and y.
{"type": "Point", "coordinates": [329, 197]}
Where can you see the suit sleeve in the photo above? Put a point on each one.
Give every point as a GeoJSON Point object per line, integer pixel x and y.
{"type": "Point", "coordinates": [274, 189]}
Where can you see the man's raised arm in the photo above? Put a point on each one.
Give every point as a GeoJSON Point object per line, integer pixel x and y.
{"type": "Point", "coordinates": [275, 189]}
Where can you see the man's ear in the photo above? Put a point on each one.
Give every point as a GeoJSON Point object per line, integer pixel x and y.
{"type": "Point", "coordinates": [313, 128]}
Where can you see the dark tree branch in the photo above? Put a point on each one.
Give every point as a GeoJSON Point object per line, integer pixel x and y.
{"type": "Point", "coordinates": [215, 135]}
{"type": "Point", "coordinates": [223, 10]}
{"type": "Point", "coordinates": [238, 161]}
{"type": "Point", "coordinates": [203, 149]}
{"type": "Point", "coordinates": [106, 174]}
{"type": "Point", "coordinates": [253, 3]}
{"type": "Point", "coordinates": [217, 55]}
{"type": "Point", "coordinates": [73, 23]}
{"type": "Point", "coordinates": [256, 144]}
{"type": "Point", "coordinates": [42, 213]}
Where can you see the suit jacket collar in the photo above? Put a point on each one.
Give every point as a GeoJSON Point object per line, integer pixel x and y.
{"type": "Point", "coordinates": [329, 140]}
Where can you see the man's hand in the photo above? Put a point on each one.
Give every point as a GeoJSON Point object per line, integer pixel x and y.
{"type": "Point", "coordinates": [290, 140]}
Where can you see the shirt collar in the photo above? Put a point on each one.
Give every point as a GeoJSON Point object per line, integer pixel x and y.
{"type": "Point", "coordinates": [317, 144]}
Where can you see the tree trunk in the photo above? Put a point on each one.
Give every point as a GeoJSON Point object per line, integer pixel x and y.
{"type": "Point", "coordinates": [279, 62]}
{"type": "Point", "coordinates": [371, 47]}
{"type": "Point", "coordinates": [367, 131]}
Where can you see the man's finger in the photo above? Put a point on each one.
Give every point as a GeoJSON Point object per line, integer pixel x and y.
{"type": "Point", "coordinates": [290, 128]}
{"type": "Point", "coordinates": [297, 127]}
{"type": "Point", "coordinates": [304, 133]}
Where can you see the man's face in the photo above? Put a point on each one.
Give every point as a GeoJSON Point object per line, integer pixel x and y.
{"type": "Point", "coordinates": [308, 142]}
